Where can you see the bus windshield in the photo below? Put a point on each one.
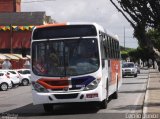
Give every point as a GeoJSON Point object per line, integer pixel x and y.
{"type": "Point", "coordinates": [69, 57]}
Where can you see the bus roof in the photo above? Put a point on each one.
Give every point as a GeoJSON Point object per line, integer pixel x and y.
{"type": "Point", "coordinates": [79, 23]}
{"type": "Point", "coordinates": [70, 23]}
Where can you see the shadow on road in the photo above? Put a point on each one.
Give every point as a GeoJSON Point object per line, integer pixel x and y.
{"type": "Point", "coordinates": [145, 78]}
{"type": "Point", "coordinates": [152, 104]}
{"type": "Point", "coordinates": [134, 83]}
{"type": "Point", "coordinates": [67, 109]}
{"type": "Point", "coordinates": [129, 107]}
{"type": "Point", "coordinates": [135, 91]}
{"type": "Point", "coordinates": [153, 88]}
{"type": "Point", "coordinates": [154, 76]}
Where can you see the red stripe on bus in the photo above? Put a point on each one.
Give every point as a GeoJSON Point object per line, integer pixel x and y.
{"type": "Point", "coordinates": [59, 83]}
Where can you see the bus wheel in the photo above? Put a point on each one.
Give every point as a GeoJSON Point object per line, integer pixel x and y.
{"type": "Point", "coordinates": [48, 108]}
{"type": "Point", "coordinates": [115, 94]}
{"type": "Point", "coordinates": [104, 103]}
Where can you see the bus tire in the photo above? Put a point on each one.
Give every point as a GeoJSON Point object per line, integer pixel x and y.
{"type": "Point", "coordinates": [48, 108]}
{"type": "Point", "coordinates": [115, 94]}
{"type": "Point", "coordinates": [104, 103]}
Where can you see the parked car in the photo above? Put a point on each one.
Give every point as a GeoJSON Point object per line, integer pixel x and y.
{"type": "Point", "coordinates": [14, 77]}
{"type": "Point", "coordinates": [129, 69]}
{"type": "Point", "coordinates": [25, 76]}
{"type": "Point", "coordinates": [5, 82]}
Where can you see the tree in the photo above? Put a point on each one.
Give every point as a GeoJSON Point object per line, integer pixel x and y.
{"type": "Point", "coordinates": [124, 55]}
{"type": "Point", "coordinates": [136, 54]}
{"type": "Point", "coordinates": [142, 15]}
{"type": "Point", "coordinates": [154, 36]}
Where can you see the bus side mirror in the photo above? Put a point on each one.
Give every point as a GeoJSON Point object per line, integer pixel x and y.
{"type": "Point", "coordinates": [24, 52]}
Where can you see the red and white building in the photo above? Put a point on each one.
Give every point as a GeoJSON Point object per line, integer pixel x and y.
{"type": "Point", "coordinates": [16, 28]}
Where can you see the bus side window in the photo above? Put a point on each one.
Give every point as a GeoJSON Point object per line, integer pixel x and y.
{"type": "Point", "coordinates": [117, 50]}
{"type": "Point", "coordinates": [103, 54]}
{"type": "Point", "coordinates": [114, 49]}
{"type": "Point", "coordinates": [111, 51]}
{"type": "Point", "coordinates": [108, 47]}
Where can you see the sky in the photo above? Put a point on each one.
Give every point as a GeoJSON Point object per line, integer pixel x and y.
{"type": "Point", "coordinates": [99, 11]}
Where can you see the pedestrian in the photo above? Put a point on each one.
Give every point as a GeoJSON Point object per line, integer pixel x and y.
{"type": "Point", "coordinates": [6, 64]}
{"type": "Point", "coordinates": [27, 64]}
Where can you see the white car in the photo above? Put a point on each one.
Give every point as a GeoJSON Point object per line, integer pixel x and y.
{"type": "Point", "coordinates": [25, 76]}
{"type": "Point", "coordinates": [129, 69]}
{"type": "Point", "coordinates": [14, 77]}
{"type": "Point", "coordinates": [5, 82]}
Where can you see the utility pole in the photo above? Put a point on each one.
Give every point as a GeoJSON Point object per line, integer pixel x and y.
{"type": "Point", "coordinates": [124, 39]}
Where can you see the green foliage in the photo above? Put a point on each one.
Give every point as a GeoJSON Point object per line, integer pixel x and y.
{"type": "Point", "coordinates": [154, 36]}
{"type": "Point", "coordinates": [125, 49]}
{"type": "Point", "coordinates": [136, 54]}
{"type": "Point", "coordinates": [142, 15]}
{"type": "Point", "coordinates": [125, 52]}
{"type": "Point", "coordinates": [124, 55]}
{"type": "Point", "coordinates": [141, 12]}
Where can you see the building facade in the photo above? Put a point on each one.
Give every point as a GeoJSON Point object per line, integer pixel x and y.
{"type": "Point", "coordinates": [10, 6]}
{"type": "Point", "coordinates": [16, 26]}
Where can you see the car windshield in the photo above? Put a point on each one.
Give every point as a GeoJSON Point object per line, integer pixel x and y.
{"type": "Point", "coordinates": [65, 57]}
{"type": "Point", "coordinates": [128, 65]}
{"type": "Point", "coordinates": [24, 72]}
{"type": "Point", "coordinates": [12, 72]}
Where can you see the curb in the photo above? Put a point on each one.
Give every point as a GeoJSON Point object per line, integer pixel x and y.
{"type": "Point", "coordinates": [144, 110]}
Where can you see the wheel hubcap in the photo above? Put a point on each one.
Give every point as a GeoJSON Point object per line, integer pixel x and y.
{"type": "Point", "coordinates": [4, 87]}
{"type": "Point", "coordinates": [25, 82]}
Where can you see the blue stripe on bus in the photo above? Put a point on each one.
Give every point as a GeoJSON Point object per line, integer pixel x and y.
{"type": "Point", "coordinates": [81, 81]}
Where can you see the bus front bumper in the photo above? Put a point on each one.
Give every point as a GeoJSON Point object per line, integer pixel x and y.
{"type": "Point", "coordinates": [66, 97]}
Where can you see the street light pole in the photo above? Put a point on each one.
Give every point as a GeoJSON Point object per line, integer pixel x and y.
{"type": "Point", "coordinates": [124, 38]}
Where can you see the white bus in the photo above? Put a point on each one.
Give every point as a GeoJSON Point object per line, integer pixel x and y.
{"type": "Point", "coordinates": [74, 62]}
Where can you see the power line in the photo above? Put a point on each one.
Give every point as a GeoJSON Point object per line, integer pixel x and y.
{"type": "Point", "coordinates": [124, 38]}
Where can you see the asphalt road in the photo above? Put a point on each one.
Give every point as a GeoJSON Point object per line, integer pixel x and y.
{"type": "Point", "coordinates": [17, 102]}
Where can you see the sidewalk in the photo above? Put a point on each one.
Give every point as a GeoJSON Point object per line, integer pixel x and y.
{"type": "Point", "coordinates": [152, 97]}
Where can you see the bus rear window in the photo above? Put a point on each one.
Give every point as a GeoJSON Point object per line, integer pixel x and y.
{"type": "Point", "coordinates": [64, 32]}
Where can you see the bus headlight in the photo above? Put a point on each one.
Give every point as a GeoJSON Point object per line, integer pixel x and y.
{"type": "Point", "coordinates": [39, 88]}
{"type": "Point", "coordinates": [92, 85]}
